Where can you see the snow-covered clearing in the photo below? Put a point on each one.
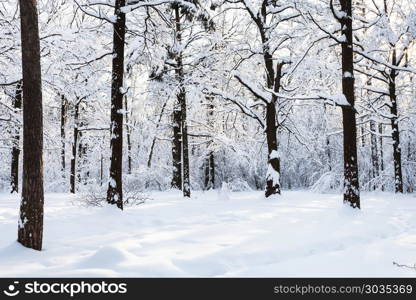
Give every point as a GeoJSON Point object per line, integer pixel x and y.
{"type": "Point", "coordinates": [298, 234]}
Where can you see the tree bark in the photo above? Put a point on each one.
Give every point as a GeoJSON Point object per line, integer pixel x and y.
{"type": "Point", "coordinates": [351, 184]}
{"type": "Point", "coordinates": [185, 147]}
{"type": "Point", "coordinates": [74, 148]}
{"type": "Point", "coordinates": [152, 147]}
{"type": "Point", "coordinates": [395, 133]}
{"type": "Point", "coordinates": [115, 187]}
{"type": "Point", "coordinates": [180, 116]}
{"type": "Point", "coordinates": [374, 152]}
{"type": "Point", "coordinates": [14, 170]}
{"type": "Point", "coordinates": [128, 135]}
{"type": "Point", "coordinates": [177, 147]}
{"type": "Point", "coordinates": [64, 108]}
{"type": "Point", "coordinates": [210, 162]}
{"type": "Point", "coordinates": [273, 169]}
{"type": "Point", "coordinates": [30, 232]}
{"type": "Point", "coordinates": [380, 131]}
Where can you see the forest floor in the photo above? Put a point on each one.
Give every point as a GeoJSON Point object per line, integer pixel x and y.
{"type": "Point", "coordinates": [300, 234]}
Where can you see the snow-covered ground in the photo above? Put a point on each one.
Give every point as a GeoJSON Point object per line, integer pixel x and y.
{"type": "Point", "coordinates": [300, 234]}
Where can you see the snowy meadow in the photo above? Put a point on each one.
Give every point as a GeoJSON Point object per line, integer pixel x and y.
{"type": "Point", "coordinates": [207, 138]}
{"type": "Point", "coordinates": [217, 234]}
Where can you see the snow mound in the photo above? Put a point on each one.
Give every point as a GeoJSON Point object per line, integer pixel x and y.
{"type": "Point", "coordinates": [106, 257]}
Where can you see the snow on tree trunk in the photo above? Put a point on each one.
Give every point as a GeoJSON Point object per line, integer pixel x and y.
{"type": "Point", "coordinates": [209, 180]}
{"type": "Point", "coordinates": [30, 232]}
{"type": "Point", "coordinates": [73, 171]}
{"type": "Point", "coordinates": [380, 131]}
{"type": "Point", "coordinates": [14, 168]}
{"type": "Point", "coordinates": [128, 135]}
{"type": "Point", "coordinates": [374, 152]}
{"type": "Point", "coordinates": [351, 184]}
{"type": "Point", "coordinates": [273, 164]}
{"type": "Point", "coordinates": [181, 143]}
{"type": "Point", "coordinates": [185, 148]}
{"type": "Point", "coordinates": [115, 188]}
{"type": "Point", "coordinates": [177, 147]}
{"type": "Point", "coordinates": [395, 133]}
{"type": "Point", "coordinates": [64, 108]}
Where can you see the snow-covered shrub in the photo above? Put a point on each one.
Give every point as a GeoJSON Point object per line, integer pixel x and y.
{"type": "Point", "coordinates": [328, 182]}
{"type": "Point", "coordinates": [238, 185]}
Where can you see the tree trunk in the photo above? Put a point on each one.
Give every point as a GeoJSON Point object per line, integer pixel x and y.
{"type": "Point", "coordinates": [209, 180]}
{"type": "Point", "coordinates": [128, 135]}
{"type": "Point", "coordinates": [152, 147]}
{"type": "Point", "coordinates": [64, 108]}
{"type": "Point", "coordinates": [273, 169]}
{"type": "Point", "coordinates": [177, 120]}
{"type": "Point", "coordinates": [328, 153]}
{"type": "Point", "coordinates": [351, 184]}
{"type": "Point", "coordinates": [374, 152]}
{"type": "Point", "coordinates": [14, 170]}
{"type": "Point", "coordinates": [115, 187]}
{"type": "Point", "coordinates": [185, 147]}
{"type": "Point", "coordinates": [395, 133]}
{"type": "Point", "coordinates": [30, 232]}
{"type": "Point", "coordinates": [177, 147]}
{"type": "Point", "coordinates": [101, 169]}
{"type": "Point", "coordinates": [210, 163]}
{"type": "Point", "coordinates": [181, 117]}
{"type": "Point", "coordinates": [380, 131]}
{"type": "Point", "coordinates": [82, 150]}
{"type": "Point", "coordinates": [74, 147]}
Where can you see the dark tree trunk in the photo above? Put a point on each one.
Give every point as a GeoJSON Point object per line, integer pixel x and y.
{"type": "Point", "coordinates": [182, 142]}
{"type": "Point", "coordinates": [14, 170]}
{"type": "Point", "coordinates": [273, 169]}
{"type": "Point", "coordinates": [395, 133]}
{"type": "Point", "coordinates": [374, 152]}
{"type": "Point", "coordinates": [177, 147]}
{"type": "Point", "coordinates": [101, 169]}
{"type": "Point", "coordinates": [177, 179]}
{"type": "Point", "coordinates": [362, 129]}
{"type": "Point", "coordinates": [351, 184]}
{"type": "Point", "coordinates": [115, 187]}
{"type": "Point", "coordinates": [30, 232]}
{"type": "Point", "coordinates": [64, 108]}
{"type": "Point", "coordinates": [128, 135]}
{"type": "Point", "coordinates": [152, 147]}
{"type": "Point", "coordinates": [185, 147]}
{"type": "Point", "coordinates": [73, 174]}
{"type": "Point", "coordinates": [409, 159]}
{"type": "Point", "coordinates": [212, 169]}
{"type": "Point", "coordinates": [273, 79]}
{"type": "Point", "coordinates": [210, 161]}
{"type": "Point", "coordinates": [82, 151]}
{"type": "Point", "coordinates": [328, 153]}
{"type": "Point", "coordinates": [380, 131]}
